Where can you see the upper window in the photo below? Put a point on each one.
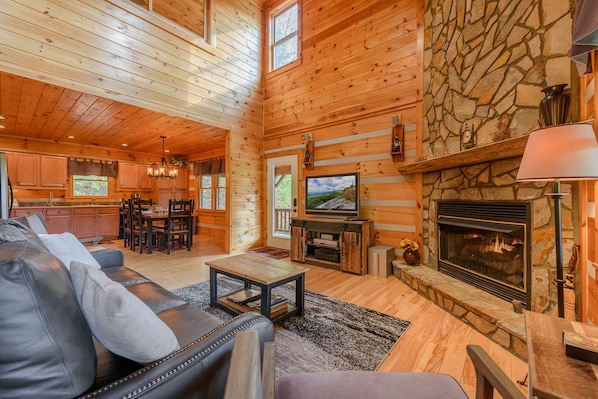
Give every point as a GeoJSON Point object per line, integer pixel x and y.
{"type": "Point", "coordinates": [284, 35]}
{"type": "Point", "coordinates": [191, 15]}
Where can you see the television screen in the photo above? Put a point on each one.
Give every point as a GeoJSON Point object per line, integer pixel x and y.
{"type": "Point", "coordinates": [332, 194]}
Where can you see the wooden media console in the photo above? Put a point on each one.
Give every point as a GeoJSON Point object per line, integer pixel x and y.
{"type": "Point", "coordinates": [336, 243]}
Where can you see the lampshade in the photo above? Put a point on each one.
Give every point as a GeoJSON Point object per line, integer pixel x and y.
{"type": "Point", "coordinates": [563, 152]}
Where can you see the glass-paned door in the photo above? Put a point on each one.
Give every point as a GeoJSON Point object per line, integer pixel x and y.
{"type": "Point", "coordinates": [282, 200]}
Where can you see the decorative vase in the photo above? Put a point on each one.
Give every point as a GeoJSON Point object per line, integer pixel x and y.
{"type": "Point", "coordinates": [411, 256]}
{"type": "Point", "coordinates": [554, 107]}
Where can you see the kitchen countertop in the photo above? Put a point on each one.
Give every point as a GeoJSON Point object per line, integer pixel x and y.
{"type": "Point", "coordinates": [68, 205]}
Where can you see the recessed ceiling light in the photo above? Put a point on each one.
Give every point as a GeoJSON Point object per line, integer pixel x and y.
{"type": "Point", "coordinates": [124, 145]}
{"type": "Point", "coordinates": [2, 117]}
{"type": "Point", "coordinates": [70, 137]}
{"type": "Point", "coordinates": [2, 127]}
{"type": "Point", "coordinates": [166, 150]}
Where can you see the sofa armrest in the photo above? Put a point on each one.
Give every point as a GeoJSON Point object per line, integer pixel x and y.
{"type": "Point", "coordinates": [244, 377]}
{"type": "Point", "coordinates": [248, 378]}
{"type": "Point", "coordinates": [109, 257]}
{"type": "Point", "coordinates": [198, 370]}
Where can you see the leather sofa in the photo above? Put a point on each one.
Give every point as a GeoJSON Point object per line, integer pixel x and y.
{"type": "Point", "coordinates": [47, 348]}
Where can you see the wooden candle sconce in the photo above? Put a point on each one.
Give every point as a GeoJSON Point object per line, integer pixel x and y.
{"type": "Point", "coordinates": [308, 158]}
{"type": "Point", "coordinates": [398, 143]}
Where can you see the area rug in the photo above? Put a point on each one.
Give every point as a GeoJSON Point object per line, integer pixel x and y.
{"type": "Point", "coordinates": [333, 335]}
{"type": "Point", "coordinates": [270, 252]}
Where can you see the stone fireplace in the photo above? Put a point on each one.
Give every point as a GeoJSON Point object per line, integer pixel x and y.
{"type": "Point", "coordinates": [486, 244]}
{"type": "Point", "coordinates": [494, 182]}
{"type": "Point", "coordinates": [481, 72]}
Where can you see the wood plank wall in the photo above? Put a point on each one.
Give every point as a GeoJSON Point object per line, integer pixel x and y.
{"type": "Point", "coordinates": [588, 259]}
{"type": "Point", "coordinates": [102, 48]}
{"type": "Point", "coordinates": [360, 65]}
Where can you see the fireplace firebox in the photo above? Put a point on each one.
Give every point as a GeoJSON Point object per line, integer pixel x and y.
{"type": "Point", "coordinates": [487, 245]}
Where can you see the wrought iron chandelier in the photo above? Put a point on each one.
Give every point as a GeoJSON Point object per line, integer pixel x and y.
{"type": "Point", "coordinates": [162, 169]}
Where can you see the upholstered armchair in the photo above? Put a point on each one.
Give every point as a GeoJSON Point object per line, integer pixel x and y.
{"type": "Point", "coordinates": [253, 378]}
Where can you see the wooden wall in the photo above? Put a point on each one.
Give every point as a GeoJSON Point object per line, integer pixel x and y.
{"type": "Point", "coordinates": [114, 50]}
{"type": "Point", "coordinates": [360, 65]}
{"type": "Point", "coordinates": [588, 259]}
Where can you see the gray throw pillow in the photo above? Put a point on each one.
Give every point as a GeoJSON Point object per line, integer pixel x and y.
{"type": "Point", "coordinates": [118, 319]}
{"type": "Point", "coordinates": [67, 248]}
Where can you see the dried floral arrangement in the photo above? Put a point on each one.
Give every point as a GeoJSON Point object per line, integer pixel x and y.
{"type": "Point", "coordinates": [178, 161]}
{"type": "Point", "coordinates": [406, 243]}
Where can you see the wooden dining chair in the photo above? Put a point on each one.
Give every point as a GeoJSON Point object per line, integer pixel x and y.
{"type": "Point", "coordinates": [125, 216]}
{"type": "Point", "coordinates": [178, 228]}
{"type": "Point", "coordinates": [139, 228]}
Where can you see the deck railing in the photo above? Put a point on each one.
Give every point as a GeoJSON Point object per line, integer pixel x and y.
{"type": "Point", "coordinates": [282, 222]}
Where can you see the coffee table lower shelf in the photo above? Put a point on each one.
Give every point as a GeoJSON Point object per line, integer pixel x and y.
{"type": "Point", "coordinates": [275, 315]}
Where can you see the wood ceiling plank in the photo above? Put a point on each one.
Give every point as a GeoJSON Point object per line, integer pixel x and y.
{"type": "Point", "coordinates": [67, 99]}
{"type": "Point", "coordinates": [47, 102]}
{"type": "Point", "coordinates": [10, 93]}
{"type": "Point", "coordinates": [32, 91]}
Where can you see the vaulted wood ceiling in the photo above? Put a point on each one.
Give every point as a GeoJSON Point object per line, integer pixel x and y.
{"type": "Point", "coordinates": [37, 110]}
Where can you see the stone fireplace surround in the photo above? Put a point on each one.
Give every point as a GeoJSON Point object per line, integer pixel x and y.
{"type": "Point", "coordinates": [491, 177]}
{"type": "Point", "coordinates": [496, 181]}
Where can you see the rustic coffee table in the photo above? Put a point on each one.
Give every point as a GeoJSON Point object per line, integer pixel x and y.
{"type": "Point", "coordinates": [265, 273]}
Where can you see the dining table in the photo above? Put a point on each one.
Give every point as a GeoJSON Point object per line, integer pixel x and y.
{"type": "Point", "coordinates": [150, 217]}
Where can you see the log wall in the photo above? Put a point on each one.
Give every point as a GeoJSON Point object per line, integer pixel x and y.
{"type": "Point", "coordinates": [114, 50]}
{"type": "Point", "coordinates": [360, 65]}
{"type": "Point", "coordinates": [588, 257]}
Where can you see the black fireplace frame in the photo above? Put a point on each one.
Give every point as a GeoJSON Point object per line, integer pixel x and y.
{"type": "Point", "coordinates": [484, 213]}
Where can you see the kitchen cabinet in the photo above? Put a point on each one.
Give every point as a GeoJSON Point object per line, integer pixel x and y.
{"type": "Point", "coordinates": [173, 188]}
{"type": "Point", "coordinates": [36, 171]}
{"type": "Point", "coordinates": [181, 183]}
{"type": "Point", "coordinates": [96, 221]}
{"type": "Point", "coordinates": [26, 170]}
{"type": "Point", "coordinates": [58, 220]}
{"type": "Point", "coordinates": [52, 172]}
{"type": "Point", "coordinates": [108, 219]}
{"type": "Point", "coordinates": [85, 222]}
{"type": "Point", "coordinates": [82, 221]}
{"type": "Point", "coordinates": [133, 177]}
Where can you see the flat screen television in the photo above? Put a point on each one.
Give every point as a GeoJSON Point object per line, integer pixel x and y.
{"type": "Point", "coordinates": [332, 195]}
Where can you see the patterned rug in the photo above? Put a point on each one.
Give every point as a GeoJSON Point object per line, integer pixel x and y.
{"type": "Point", "coordinates": [270, 252]}
{"type": "Point", "coordinates": [333, 335]}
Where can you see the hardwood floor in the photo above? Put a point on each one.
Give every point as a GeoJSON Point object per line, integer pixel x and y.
{"type": "Point", "coordinates": [435, 341]}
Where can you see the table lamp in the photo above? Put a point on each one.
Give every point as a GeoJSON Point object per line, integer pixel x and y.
{"type": "Point", "coordinates": [556, 153]}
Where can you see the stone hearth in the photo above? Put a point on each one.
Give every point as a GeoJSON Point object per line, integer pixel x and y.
{"type": "Point", "coordinates": [486, 313]}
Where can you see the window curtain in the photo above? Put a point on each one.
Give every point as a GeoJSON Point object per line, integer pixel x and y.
{"type": "Point", "coordinates": [585, 34]}
{"type": "Point", "coordinates": [87, 167]}
{"type": "Point", "coordinates": [209, 167]}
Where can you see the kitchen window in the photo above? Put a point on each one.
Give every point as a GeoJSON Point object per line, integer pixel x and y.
{"type": "Point", "coordinates": [90, 186]}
